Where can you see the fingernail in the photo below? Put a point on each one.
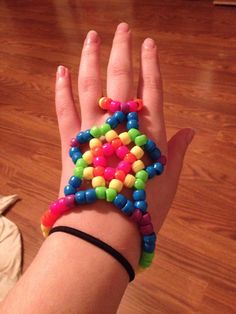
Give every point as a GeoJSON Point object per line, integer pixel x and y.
{"type": "Point", "coordinates": [122, 28]}
{"type": "Point", "coordinates": [61, 71]}
{"type": "Point", "coordinates": [190, 136]}
{"type": "Point", "coordinates": [149, 43]}
{"type": "Point", "coordinates": [92, 37]}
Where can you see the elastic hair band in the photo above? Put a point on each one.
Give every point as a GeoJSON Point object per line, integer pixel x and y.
{"type": "Point", "coordinates": [102, 245]}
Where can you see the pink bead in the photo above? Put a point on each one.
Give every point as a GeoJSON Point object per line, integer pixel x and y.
{"type": "Point", "coordinates": [58, 207]}
{"type": "Point", "coordinates": [136, 216]}
{"type": "Point", "coordinates": [147, 229]}
{"type": "Point", "coordinates": [107, 149]}
{"type": "Point", "coordinates": [114, 106]}
{"type": "Point", "coordinates": [100, 161]}
{"type": "Point", "coordinates": [109, 173]}
{"type": "Point", "coordinates": [70, 201]}
{"type": "Point", "coordinates": [124, 107]}
{"type": "Point", "coordinates": [122, 151]}
{"type": "Point", "coordinates": [125, 166]}
{"type": "Point", "coordinates": [162, 160]}
{"type": "Point", "coordinates": [146, 219]}
{"type": "Point", "coordinates": [133, 106]}
{"type": "Point", "coordinates": [74, 142]}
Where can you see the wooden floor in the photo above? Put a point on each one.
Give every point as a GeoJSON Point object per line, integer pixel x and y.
{"type": "Point", "coordinates": [196, 258]}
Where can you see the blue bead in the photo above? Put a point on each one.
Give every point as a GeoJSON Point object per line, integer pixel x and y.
{"type": "Point", "coordinates": [90, 195]}
{"type": "Point", "coordinates": [150, 239]}
{"type": "Point", "coordinates": [155, 154]}
{"type": "Point", "coordinates": [75, 181]}
{"type": "Point", "coordinates": [80, 197]}
{"type": "Point", "coordinates": [151, 172]}
{"type": "Point", "coordinates": [142, 205]}
{"type": "Point", "coordinates": [139, 195]}
{"type": "Point", "coordinates": [87, 136]}
{"type": "Point", "coordinates": [128, 208]}
{"type": "Point", "coordinates": [69, 189]}
{"type": "Point", "coordinates": [80, 137]}
{"type": "Point", "coordinates": [73, 150]}
{"type": "Point", "coordinates": [132, 116]}
{"type": "Point", "coordinates": [112, 121]}
{"type": "Point", "coordinates": [158, 168]}
{"type": "Point", "coordinates": [76, 156]}
{"type": "Point", "coordinates": [120, 201]}
{"type": "Point", "coordinates": [120, 116]}
{"type": "Point", "coordinates": [149, 247]}
{"type": "Point", "coordinates": [149, 146]}
{"type": "Point", "coordinates": [132, 124]}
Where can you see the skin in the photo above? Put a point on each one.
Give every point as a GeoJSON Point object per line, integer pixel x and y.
{"type": "Point", "coordinates": [69, 275]}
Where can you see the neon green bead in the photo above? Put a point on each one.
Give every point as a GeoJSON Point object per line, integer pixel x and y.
{"type": "Point", "coordinates": [146, 259]}
{"type": "Point", "coordinates": [141, 140]}
{"type": "Point", "coordinates": [133, 133]}
{"type": "Point", "coordinates": [139, 184]}
{"type": "Point", "coordinates": [105, 128]}
{"type": "Point", "coordinates": [101, 192]}
{"type": "Point", "coordinates": [95, 131]}
{"type": "Point", "coordinates": [98, 181]}
{"type": "Point", "coordinates": [110, 194]}
{"type": "Point", "coordinates": [142, 174]}
{"type": "Point", "coordinates": [81, 163]}
{"type": "Point", "coordinates": [78, 172]}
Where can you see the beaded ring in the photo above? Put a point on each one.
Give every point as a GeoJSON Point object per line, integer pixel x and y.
{"type": "Point", "coordinates": [107, 182]}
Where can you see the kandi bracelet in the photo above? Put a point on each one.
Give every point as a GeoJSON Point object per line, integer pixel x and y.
{"type": "Point", "coordinates": [108, 182]}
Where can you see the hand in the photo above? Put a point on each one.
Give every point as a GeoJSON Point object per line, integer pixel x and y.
{"type": "Point", "coordinates": [120, 87]}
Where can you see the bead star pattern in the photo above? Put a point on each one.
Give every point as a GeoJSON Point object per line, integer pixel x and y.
{"type": "Point", "coordinates": [108, 182]}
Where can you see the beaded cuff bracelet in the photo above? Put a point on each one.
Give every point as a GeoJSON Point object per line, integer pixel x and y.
{"type": "Point", "coordinates": [107, 182]}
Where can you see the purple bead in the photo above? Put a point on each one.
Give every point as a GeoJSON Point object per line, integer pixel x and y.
{"type": "Point", "coordinates": [70, 201]}
{"type": "Point", "coordinates": [124, 107]}
{"type": "Point", "coordinates": [147, 229]}
{"type": "Point", "coordinates": [146, 219]}
{"type": "Point", "coordinates": [74, 142]}
{"type": "Point", "coordinates": [162, 160]}
{"type": "Point", "coordinates": [136, 216]}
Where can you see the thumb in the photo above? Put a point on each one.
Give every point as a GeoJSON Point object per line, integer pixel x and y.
{"type": "Point", "coordinates": [177, 147]}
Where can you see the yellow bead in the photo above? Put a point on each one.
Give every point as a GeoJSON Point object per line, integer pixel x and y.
{"type": "Point", "coordinates": [125, 139]}
{"type": "Point", "coordinates": [137, 166]}
{"type": "Point", "coordinates": [116, 185]}
{"type": "Point", "coordinates": [45, 230]}
{"type": "Point", "coordinates": [129, 181]}
{"type": "Point", "coordinates": [98, 181]}
{"type": "Point", "coordinates": [88, 157]}
{"type": "Point", "coordinates": [111, 135]}
{"type": "Point", "coordinates": [88, 173]}
{"type": "Point", "coordinates": [95, 142]}
{"type": "Point", "coordinates": [137, 151]}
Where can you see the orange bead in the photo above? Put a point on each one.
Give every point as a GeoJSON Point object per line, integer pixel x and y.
{"type": "Point", "coordinates": [130, 158]}
{"type": "Point", "coordinates": [140, 104]}
{"type": "Point", "coordinates": [97, 151]}
{"type": "Point", "coordinates": [120, 175]}
{"type": "Point", "coordinates": [116, 143]}
{"type": "Point", "coordinates": [104, 103]}
{"type": "Point", "coordinates": [98, 171]}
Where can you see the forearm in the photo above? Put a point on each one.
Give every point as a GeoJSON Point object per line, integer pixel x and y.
{"type": "Point", "coordinates": [70, 275]}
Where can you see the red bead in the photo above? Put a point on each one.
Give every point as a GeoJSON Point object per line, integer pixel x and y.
{"type": "Point", "coordinates": [120, 175]}
{"type": "Point", "coordinates": [107, 149]}
{"type": "Point", "coordinates": [147, 229]}
{"type": "Point", "coordinates": [140, 104]}
{"type": "Point", "coordinates": [98, 171]}
{"type": "Point", "coordinates": [162, 160]}
{"type": "Point", "coordinates": [109, 173]}
{"type": "Point", "coordinates": [136, 216]}
{"type": "Point", "coordinates": [99, 161]}
{"type": "Point", "coordinates": [146, 219]}
{"type": "Point", "coordinates": [104, 103]}
{"type": "Point", "coordinates": [131, 158]}
{"type": "Point", "coordinates": [74, 142]}
{"type": "Point", "coordinates": [48, 219]}
{"type": "Point", "coordinates": [116, 143]}
{"type": "Point", "coordinates": [97, 151]}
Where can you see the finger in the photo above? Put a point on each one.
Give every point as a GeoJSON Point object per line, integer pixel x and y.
{"type": "Point", "coordinates": [89, 82]}
{"type": "Point", "coordinates": [67, 115]}
{"type": "Point", "coordinates": [150, 90]}
{"type": "Point", "coordinates": [119, 71]}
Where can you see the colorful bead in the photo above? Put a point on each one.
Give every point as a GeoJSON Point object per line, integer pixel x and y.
{"type": "Point", "coordinates": [111, 135]}
{"type": "Point", "coordinates": [100, 161]}
{"type": "Point", "coordinates": [105, 128]}
{"type": "Point", "coordinates": [130, 158]}
{"type": "Point", "coordinates": [155, 154]}
{"type": "Point", "coordinates": [95, 142]}
{"type": "Point", "coordinates": [133, 133]}
{"type": "Point", "coordinates": [125, 139]}
{"type": "Point", "coordinates": [124, 107]}
{"type": "Point", "coordinates": [137, 166]}
{"type": "Point", "coordinates": [133, 106]}
{"type": "Point", "coordinates": [139, 195]}
{"type": "Point", "coordinates": [132, 116]}
{"type": "Point", "coordinates": [142, 205]}
{"type": "Point", "coordinates": [88, 173]}
{"type": "Point", "coordinates": [48, 219]}
{"type": "Point", "coordinates": [97, 151]}
{"type": "Point", "coordinates": [120, 116]}
{"type": "Point", "coordinates": [69, 201]}
{"type": "Point", "coordinates": [162, 160]}
{"type": "Point", "coordinates": [45, 230]}
{"type": "Point", "coordinates": [98, 181]}
{"type": "Point", "coordinates": [110, 194]}
{"type": "Point", "coordinates": [109, 173]}
{"type": "Point", "coordinates": [104, 103]}
{"type": "Point", "coordinates": [80, 197]}
{"type": "Point", "coordinates": [132, 124]}
{"type": "Point", "coordinates": [112, 121]}
{"type": "Point", "coordinates": [158, 168]}
{"type": "Point", "coordinates": [98, 171]}
{"type": "Point", "coordinates": [120, 201]}
{"type": "Point", "coordinates": [129, 181]}
{"type": "Point", "coordinates": [146, 219]}
{"type": "Point", "coordinates": [74, 150]}
{"type": "Point", "coordinates": [140, 104]}
{"type": "Point", "coordinates": [141, 140]}
{"type": "Point", "coordinates": [95, 132]}
{"type": "Point", "coordinates": [107, 149]}
{"type": "Point", "coordinates": [120, 175]}
{"type": "Point", "coordinates": [136, 216]}
{"type": "Point", "coordinates": [128, 209]}
{"type": "Point", "coordinates": [124, 166]}
{"type": "Point", "coordinates": [146, 259]}
{"type": "Point", "coordinates": [88, 157]}
{"type": "Point", "coordinates": [122, 151]}
{"type": "Point", "coordinates": [137, 151]}
{"type": "Point", "coordinates": [116, 143]}
{"type": "Point", "coordinates": [90, 195]}
{"type": "Point", "coordinates": [146, 229]}
{"type": "Point", "coordinates": [74, 142]}
{"type": "Point", "coordinates": [116, 185]}
{"type": "Point", "coordinates": [76, 156]}
{"type": "Point", "coordinates": [139, 184]}
{"type": "Point", "coordinates": [78, 172]}
{"type": "Point", "coordinates": [151, 171]}
{"type": "Point", "coordinates": [81, 163]}
{"type": "Point", "coordinates": [87, 136]}
{"type": "Point", "coordinates": [114, 106]}
{"type": "Point", "coordinates": [101, 192]}
{"type": "Point", "coordinates": [81, 138]}
{"type": "Point", "coordinates": [75, 181]}
{"type": "Point", "coordinates": [149, 146]}
{"type": "Point", "coordinates": [142, 174]}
